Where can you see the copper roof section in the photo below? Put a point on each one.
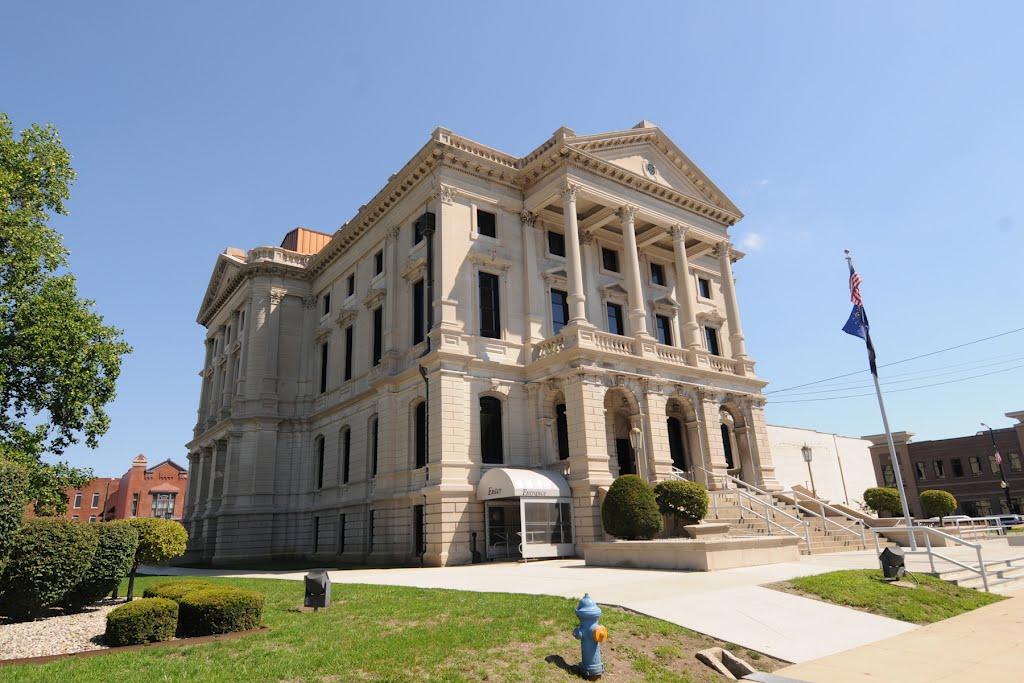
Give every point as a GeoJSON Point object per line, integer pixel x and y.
{"type": "Point", "coordinates": [305, 241]}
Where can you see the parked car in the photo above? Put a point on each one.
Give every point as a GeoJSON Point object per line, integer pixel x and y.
{"type": "Point", "coordinates": [1009, 520]}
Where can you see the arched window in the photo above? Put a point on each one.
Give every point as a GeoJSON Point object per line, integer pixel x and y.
{"type": "Point", "coordinates": [490, 431]}
{"type": "Point", "coordinates": [320, 462]}
{"type": "Point", "coordinates": [374, 433]}
{"type": "Point", "coordinates": [727, 445]}
{"type": "Point", "coordinates": [421, 434]}
{"type": "Point", "coordinates": [562, 429]}
{"type": "Point", "coordinates": [676, 443]}
{"type": "Point", "coordinates": [345, 442]}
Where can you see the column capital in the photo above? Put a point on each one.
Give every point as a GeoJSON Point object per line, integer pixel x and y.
{"type": "Point", "coordinates": [392, 234]}
{"type": "Point", "coordinates": [527, 218]}
{"type": "Point", "coordinates": [445, 193]}
{"type": "Point", "coordinates": [586, 237]}
{"type": "Point", "coordinates": [724, 250]}
{"type": "Point", "coordinates": [627, 213]}
{"type": "Point", "coordinates": [569, 190]}
{"type": "Point", "coordinates": [678, 231]}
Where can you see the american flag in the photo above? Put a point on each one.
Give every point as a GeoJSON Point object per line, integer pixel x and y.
{"type": "Point", "coordinates": [855, 287]}
{"type": "Point", "coordinates": [999, 458]}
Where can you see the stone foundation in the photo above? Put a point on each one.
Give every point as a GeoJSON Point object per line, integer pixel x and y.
{"type": "Point", "coordinates": [694, 555]}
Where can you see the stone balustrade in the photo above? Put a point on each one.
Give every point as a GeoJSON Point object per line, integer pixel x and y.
{"type": "Point", "coordinates": [278, 255]}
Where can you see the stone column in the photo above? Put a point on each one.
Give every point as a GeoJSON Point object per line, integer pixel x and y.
{"type": "Point", "coordinates": [589, 475]}
{"type": "Point", "coordinates": [591, 264]}
{"type": "Point", "coordinates": [577, 299]}
{"type": "Point", "coordinates": [689, 329]}
{"type": "Point", "coordinates": [391, 325]}
{"type": "Point", "coordinates": [634, 287]}
{"type": "Point", "coordinates": [716, 463]}
{"type": "Point", "coordinates": [659, 450]}
{"type": "Point", "coordinates": [533, 301]}
{"type": "Point", "coordinates": [724, 253]}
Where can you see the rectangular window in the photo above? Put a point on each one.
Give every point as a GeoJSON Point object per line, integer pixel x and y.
{"type": "Point", "coordinates": [993, 465]}
{"type": "Point", "coordinates": [78, 500]}
{"type": "Point", "coordinates": [135, 504]}
{"type": "Point", "coordinates": [421, 434]}
{"type": "Point", "coordinates": [241, 320]}
{"type": "Point", "coordinates": [351, 284]}
{"type": "Point", "coordinates": [323, 367]}
{"type": "Point", "coordinates": [704, 287]}
{"type": "Point", "coordinates": [616, 325]}
{"type": "Point", "coordinates": [346, 453]}
{"type": "Point", "coordinates": [983, 508]}
{"type": "Point", "coordinates": [657, 274]}
{"type": "Point", "coordinates": [369, 535]}
{"type": "Point", "coordinates": [610, 259]}
{"type": "Point", "coordinates": [1015, 464]}
{"type": "Point", "coordinates": [74, 516]}
{"type": "Point", "coordinates": [559, 310]}
{"type": "Point", "coordinates": [316, 534]}
{"type": "Point", "coordinates": [378, 334]}
{"type": "Point", "coordinates": [348, 352]}
{"type": "Point", "coordinates": [163, 505]}
{"type": "Point", "coordinates": [490, 306]}
{"type": "Point", "coordinates": [888, 476]}
{"type": "Point", "coordinates": [92, 518]}
{"type": "Point", "coordinates": [320, 463]}
{"type": "Point", "coordinates": [940, 469]}
{"type": "Point", "coordinates": [417, 233]}
{"type": "Point", "coordinates": [486, 223]}
{"type": "Point", "coordinates": [664, 328]}
{"type": "Point", "coordinates": [921, 470]}
{"type": "Point", "coordinates": [419, 323]}
{"type": "Point", "coordinates": [341, 534]}
{"type": "Point", "coordinates": [419, 537]}
{"type": "Point", "coordinates": [378, 262]}
{"type": "Point", "coordinates": [374, 439]}
{"type": "Point", "coordinates": [327, 303]}
{"type": "Point", "coordinates": [556, 243]}
{"type": "Point", "coordinates": [958, 467]}
{"type": "Point", "coordinates": [711, 336]}
{"type": "Point", "coordinates": [96, 499]}
{"type": "Point", "coordinates": [975, 465]}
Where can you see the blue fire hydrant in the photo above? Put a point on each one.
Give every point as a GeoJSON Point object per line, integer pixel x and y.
{"type": "Point", "coordinates": [590, 634]}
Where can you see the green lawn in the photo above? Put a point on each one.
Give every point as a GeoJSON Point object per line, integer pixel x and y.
{"type": "Point", "coordinates": [932, 600]}
{"type": "Point", "coordinates": [385, 633]}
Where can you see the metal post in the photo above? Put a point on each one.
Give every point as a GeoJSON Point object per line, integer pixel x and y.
{"type": "Point", "coordinates": [928, 544]}
{"type": "Point", "coordinates": [1002, 472]}
{"type": "Point", "coordinates": [895, 462]}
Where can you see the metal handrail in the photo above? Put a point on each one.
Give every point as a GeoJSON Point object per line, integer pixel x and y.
{"type": "Point", "coordinates": [770, 522]}
{"type": "Point", "coordinates": [981, 569]}
{"type": "Point", "coordinates": [823, 505]}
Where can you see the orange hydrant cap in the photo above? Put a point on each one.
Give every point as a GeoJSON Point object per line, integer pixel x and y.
{"type": "Point", "coordinates": [600, 634]}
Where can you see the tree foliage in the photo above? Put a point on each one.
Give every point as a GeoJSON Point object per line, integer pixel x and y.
{"type": "Point", "coordinates": [159, 541]}
{"type": "Point", "coordinates": [687, 501]}
{"type": "Point", "coordinates": [937, 503]}
{"type": "Point", "coordinates": [630, 511]}
{"type": "Point", "coordinates": [58, 361]}
{"type": "Point", "coordinates": [883, 500]}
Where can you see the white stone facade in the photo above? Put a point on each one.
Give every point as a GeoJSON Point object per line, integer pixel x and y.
{"type": "Point", "coordinates": [841, 465]}
{"type": "Point", "coordinates": [578, 292]}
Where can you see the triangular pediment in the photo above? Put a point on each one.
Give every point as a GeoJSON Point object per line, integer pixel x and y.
{"type": "Point", "coordinates": [228, 265]}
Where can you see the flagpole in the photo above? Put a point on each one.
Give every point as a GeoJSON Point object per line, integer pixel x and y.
{"type": "Point", "coordinates": [892, 447]}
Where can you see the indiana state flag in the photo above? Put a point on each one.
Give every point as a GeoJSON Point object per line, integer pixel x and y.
{"type": "Point", "coordinates": [857, 325]}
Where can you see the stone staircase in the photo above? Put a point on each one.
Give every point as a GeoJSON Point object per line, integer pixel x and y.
{"type": "Point", "coordinates": [1004, 576]}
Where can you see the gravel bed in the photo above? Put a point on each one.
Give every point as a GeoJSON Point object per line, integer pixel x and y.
{"type": "Point", "coordinates": [57, 635]}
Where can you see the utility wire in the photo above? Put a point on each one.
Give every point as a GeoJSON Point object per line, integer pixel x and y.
{"type": "Point", "coordinates": [894, 391]}
{"type": "Point", "coordinates": [897, 362]}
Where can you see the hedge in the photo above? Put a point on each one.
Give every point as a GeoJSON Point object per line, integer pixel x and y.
{"type": "Point", "coordinates": [175, 590]}
{"type": "Point", "coordinates": [142, 621]}
{"type": "Point", "coordinates": [14, 482]}
{"type": "Point", "coordinates": [883, 500]}
{"type": "Point", "coordinates": [687, 501]}
{"type": "Point", "coordinates": [630, 511]}
{"type": "Point", "coordinates": [219, 610]}
{"type": "Point", "coordinates": [937, 503]}
{"type": "Point", "coordinates": [48, 558]}
{"type": "Point", "coordinates": [111, 563]}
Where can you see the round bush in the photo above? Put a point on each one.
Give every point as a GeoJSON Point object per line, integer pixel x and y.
{"type": "Point", "coordinates": [111, 563]}
{"type": "Point", "coordinates": [883, 500]}
{"type": "Point", "coordinates": [175, 590]}
{"type": "Point", "coordinates": [219, 610]}
{"type": "Point", "coordinates": [687, 501]}
{"type": "Point", "coordinates": [142, 621]}
{"type": "Point", "coordinates": [48, 558]}
{"type": "Point", "coordinates": [937, 503]}
{"type": "Point", "coordinates": [630, 511]}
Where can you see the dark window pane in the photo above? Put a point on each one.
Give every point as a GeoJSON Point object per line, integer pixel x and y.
{"type": "Point", "coordinates": [705, 287]}
{"type": "Point", "coordinates": [559, 309]}
{"type": "Point", "coordinates": [341, 534]}
{"type": "Point", "coordinates": [351, 284]}
{"type": "Point", "coordinates": [921, 470]}
{"type": "Point", "coordinates": [316, 534]}
{"type": "Point", "coordinates": [711, 334]}
{"type": "Point", "coordinates": [327, 303]}
{"type": "Point", "coordinates": [676, 443]}
{"type": "Point", "coordinates": [657, 274]}
{"type": "Point", "coordinates": [320, 462]}
{"type": "Point", "coordinates": [486, 223]}
{"type": "Point", "coordinates": [490, 431]}
{"type": "Point", "coordinates": [616, 325]}
{"type": "Point", "coordinates": [562, 427]}
{"type": "Point", "coordinates": [348, 352]}
{"type": "Point", "coordinates": [727, 445]}
{"type": "Point", "coordinates": [374, 434]}
{"type": "Point", "coordinates": [419, 527]}
{"type": "Point", "coordinates": [1015, 464]}
{"type": "Point", "coordinates": [418, 312]}
{"type": "Point", "coordinates": [490, 309]}
{"type": "Point", "coordinates": [346, 448]}
{"type": "Point", "coordinates": [940, 469]}
{"type": "Point", "coordinates": [378, 262]}
{"type": "Point", "coordinates": [975, 466]}
{"type": "Point", "coordinates": [958, 467]}
{"type": "Point", "coordinates": [421, 435]}
{"type": "Point", "coordinates": [323, 367]}
{"type": "Point", "coordinates": [610, 259]}
{"type": "Point", "coordinates": [556, 243]}
{"type": "Point", "coordinates": [664, 329]}
{"type": "Point", "coordinates": [378, 334]}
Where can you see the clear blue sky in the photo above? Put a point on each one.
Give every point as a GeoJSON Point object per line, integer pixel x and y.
{"type": "Point", "coordinates": [891, 129]}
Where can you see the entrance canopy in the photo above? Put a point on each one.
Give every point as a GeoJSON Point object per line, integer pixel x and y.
{"type": "Point", "coordinates": [504, 482]}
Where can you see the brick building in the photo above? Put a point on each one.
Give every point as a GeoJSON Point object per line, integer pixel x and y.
{"type": "Point", "coordinates": [157, 491]}
{"type": "Point", "coordinates": [965, 466]}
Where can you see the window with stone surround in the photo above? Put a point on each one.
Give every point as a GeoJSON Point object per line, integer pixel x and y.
{"type": "Point", "coordinates": [323, 367]}
{"type": "Point", "coordinates": [556, 243]}
{"type": "Point", "coordinates": [351, 285]}
{"type": "Point", "coordinates": [616, 322]}
{"type": "Point", "coordinates": [319, 462]}
{"type": "Point", "coordinates": [562, 430]}
{"type": "Point", "coordinates": [711, 339]}
{"type": "Point", "coordinates": [326, 302]}
{"type": "Point", "coordinates": [349, 341]}
{"type": "Point", "coordinates": [78, 500]}
{"type": "Point", "coordinates": [888, 475]}
{"type": "Point", "coordinates": [992, 464]}
{"type": "Point", "coordinates": [378, 263]}
{"type": "Point", "coordinates": [657, 274]}
{"type": "Point", "coordinates": [420, 435]}
{"type": "Point", "coordinates": [490, 305]}
{"type": "Point", "coordinates": [704, 287]}
{"type": "Point", "coordinates": [419, 310]}
{"type": "Point", "coordinates": [975, 464]}
{"type": "Point", "coordinates": [486, 223]}
{"type": "Point", "coordinates": [135, 504]}
{"type": "Point", "coordinates": [345, 445]}
{"type": "Point", "coordinates": [559, 310]}
{"type": "Point", "coordinates": [96, 499]}
{"type": "Point", "coordinates": [378, 334]}
{"type": "Point", "coordinates": [491, 446]}
{"type": "Point", "coordinates": [663, 327]}
{"type": "Point", "coordinates": [374, 444]}
{"type": "Point", "coordinates": [921, 470]}
{"type": "Point", "coordinates": [1015, 464]}
{"type": "Point", "coordinates": [940, 469]}
{"type": "Point", "coordinates": [163, 505]}
{"type": "Point", "coordinates": [610, 259]}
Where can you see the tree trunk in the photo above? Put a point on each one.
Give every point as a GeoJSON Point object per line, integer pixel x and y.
{"type": "Point", "coordinates": [131, 584]}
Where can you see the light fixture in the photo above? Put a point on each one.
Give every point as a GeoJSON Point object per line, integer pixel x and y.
{"type": "Point", "coordinates": [806, 450]}
{"type": "Point", "coordinates": [636, 438]}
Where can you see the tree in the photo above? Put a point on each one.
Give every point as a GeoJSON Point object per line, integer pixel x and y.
{"type": "Point", "coordinates": [630, 510]}
{"type": "Point", "coordinates": [159, 541]}
{"type": "Point", "coordinates": [883, 500]}
{"type": "Point", "coordinates": [58, 361]}
{"type": "Point", "coordinates": [937, 503]}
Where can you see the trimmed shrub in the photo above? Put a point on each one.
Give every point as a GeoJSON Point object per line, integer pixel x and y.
{"type": "Point", "coordinates": [159, 541]}
{"type": "Point", "coordinates": [883, 500]}
{"type": "Point", "coordinates": [14, 482]}
{"type": "Point", "coordinates": [175, 590]}
{"type": "Point", "coordinates": [142, 621]}
{"type": "Point", "coordinates": [630, 511]}
{"type": "Point", "coordinates": [687, 501]}
{"type": "Point", "coordinates": [937, 503]}
{"type": "Point", "coordinates": [111, 563]}
{"type": "Point", "coordinates": [48, 558]}
{"type": "Point", "coordinates": [219, 610]}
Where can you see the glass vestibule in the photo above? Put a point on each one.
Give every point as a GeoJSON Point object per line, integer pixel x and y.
{"type": "Point", "coordinates": [528, 514]}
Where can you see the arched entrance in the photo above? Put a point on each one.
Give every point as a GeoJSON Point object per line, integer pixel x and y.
{"type": "Point", "coordinates": [735, 444]}
{"type": "Point", "coordinates": [621, 412]}
{"type": "Point", "coordinates": [686, 448]}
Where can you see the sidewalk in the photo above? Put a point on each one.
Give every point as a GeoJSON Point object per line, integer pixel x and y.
{"type": "Point", "coordinates": [730, 605]}
{"type": "Point", "coordinates": [984, 645]}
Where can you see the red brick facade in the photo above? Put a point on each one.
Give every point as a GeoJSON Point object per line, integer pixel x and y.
{"type": "Point", "coordinates": [142, 492]}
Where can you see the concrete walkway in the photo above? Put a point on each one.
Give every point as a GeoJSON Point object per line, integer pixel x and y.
{"type": "Point", "coordinates": [730, 605]}
{"type": "Point", "coordinates": [984, 645]}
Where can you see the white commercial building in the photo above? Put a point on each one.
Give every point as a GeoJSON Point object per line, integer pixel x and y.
{"type": "Point", "coordinates": [580, 321]}
{"type": "Point", "coordinates": [840, 467]}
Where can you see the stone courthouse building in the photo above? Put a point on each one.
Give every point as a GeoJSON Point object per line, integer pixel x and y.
{"type": "Point", "coordinates": [579, 322]}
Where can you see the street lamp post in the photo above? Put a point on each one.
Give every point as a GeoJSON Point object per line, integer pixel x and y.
{"type": "Point", "coordinates": [1005, 485]}
{"type": "Point", "coordinates": [636, 440]}
{"type": "Point", "coordinates": [808, 456]}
